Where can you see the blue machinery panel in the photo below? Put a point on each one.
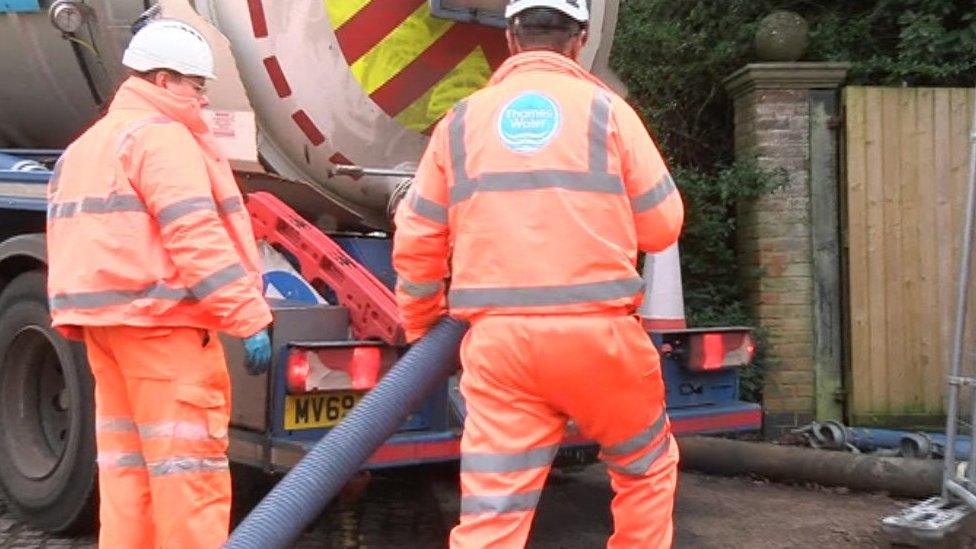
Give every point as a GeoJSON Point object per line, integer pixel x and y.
{"type": "Point", "coordinates": [373, 253]}
{"type": "Point", "coordinates": [8, 6]}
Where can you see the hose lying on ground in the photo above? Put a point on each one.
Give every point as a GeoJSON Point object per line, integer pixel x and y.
{"type": "Point", "coordinates": [919, 478]}
{"type": "Point", "coordinates": [294, 502]}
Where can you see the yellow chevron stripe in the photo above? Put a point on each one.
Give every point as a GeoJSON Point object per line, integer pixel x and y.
{"type": "Point", "coordinates": [398, 49]}
{"type": "Point", "coordinates": [469, 75]}
{"type": "Point", "coordinates": [341, 11]}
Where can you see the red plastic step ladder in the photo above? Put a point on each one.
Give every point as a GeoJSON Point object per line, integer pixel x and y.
{"type": "Point", "coordinates": [322, 262]}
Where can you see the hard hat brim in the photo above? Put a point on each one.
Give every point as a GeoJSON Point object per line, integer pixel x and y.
{"type": "Point", "coordinates": [144, 62]}
{"type": "Point", "coordinates": [580, 14]}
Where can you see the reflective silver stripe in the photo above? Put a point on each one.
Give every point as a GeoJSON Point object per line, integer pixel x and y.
{"type": "Point", "coordinates": [94, 300]}
{"type": "Point", "coordinates": [544, 295]}
{"type": "Point", "coordinates": [175, 429]}
{"type": "Point", "coordinates": [218, 280]}
{"type": "Point", "coordinates": [507, 463]}
{"type": "Point", "coordinates": [96, 205]}
{"type": "Point", "coordinates": [115, 425]}
{"type": "Point", "coordinates": [599, 120]}
{"type": "Point", "coordinates": [427, 208]}
{"type": "Point", "coordinates": [476, 505]}
{"type": "Point", "coordinates": [456, 136]}
{"type": "Point", "coordinates": [230, 205]}
{"type": "Point", "coordinates": [420, 289]}
{"type": "Point", "coordinates": [120, 460]}
{"type": "Point", "coordinates": [542, 179]}
{"type": "Point", "coordinates": [638, 441]}
{"type": "Point", "coordinates": [107, 298]}
{"type": "Point", "coordinates": [640, 466]}
{"type": "Point", "coordinates": [183, 207]}
{"type": "Point", "coordinates": [663, 189]}
{"type": "Point", "coordinates": [186, 465]}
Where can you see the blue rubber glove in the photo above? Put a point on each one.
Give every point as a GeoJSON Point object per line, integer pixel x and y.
{"type": "Point", "coordinates": [258, 351]}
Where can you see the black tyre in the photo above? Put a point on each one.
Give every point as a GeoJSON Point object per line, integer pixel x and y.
{"type": "Point", "coordinates": [47, 410]}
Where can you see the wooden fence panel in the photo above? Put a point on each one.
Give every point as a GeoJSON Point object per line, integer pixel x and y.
{"type": "Point", "coordinates": [907, 163]}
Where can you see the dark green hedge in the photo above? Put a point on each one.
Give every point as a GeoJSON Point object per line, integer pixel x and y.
{"type": "Point", "coordinates": [673, 55]}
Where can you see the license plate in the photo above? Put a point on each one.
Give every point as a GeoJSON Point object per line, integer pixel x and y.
{"type": "Point", "coordinates": [316, 411]}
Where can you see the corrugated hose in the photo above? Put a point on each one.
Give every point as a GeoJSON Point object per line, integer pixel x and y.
{"type": "Point", "coordinates": [279, 519]}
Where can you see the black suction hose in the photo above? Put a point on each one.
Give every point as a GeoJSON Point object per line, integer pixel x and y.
{"type": "Point", "coordinates": [284, 513]}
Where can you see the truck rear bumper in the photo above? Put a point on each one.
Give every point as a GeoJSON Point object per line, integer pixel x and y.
{"type": "Point", "coordinates": [415, 448]}
{"type": "Point", "coordinates": [725, 418]}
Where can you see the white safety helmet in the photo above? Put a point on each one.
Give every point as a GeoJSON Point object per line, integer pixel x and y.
{"type": "Point", "coordinates": [573, 8]}
{"type": "Point", "coordinates": [173, 45]}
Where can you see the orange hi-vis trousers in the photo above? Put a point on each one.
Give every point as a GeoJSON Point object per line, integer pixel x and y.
{"type": "Point", "coordinates": [523, 378]}
{"type": "Point", "coordinates": [162, 405]}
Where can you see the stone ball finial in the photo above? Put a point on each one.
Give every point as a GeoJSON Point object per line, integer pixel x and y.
{"type": "Point", "coordinates": [782, 36]}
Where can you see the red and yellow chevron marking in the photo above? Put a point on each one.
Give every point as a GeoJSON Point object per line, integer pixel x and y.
{"type": "Point", "coordinates": [412, 65]}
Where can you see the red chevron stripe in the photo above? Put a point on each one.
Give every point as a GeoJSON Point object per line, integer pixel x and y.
{"type": "Point", "coordinates": [496, 48]}
{"type": "Point", "coordinates": [372, 24]}
{"type": "Point", "coordinates": [433, 64]}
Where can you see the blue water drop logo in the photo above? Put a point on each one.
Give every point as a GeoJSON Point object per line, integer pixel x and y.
{"type": "Point", "coordinates": [528, 122]}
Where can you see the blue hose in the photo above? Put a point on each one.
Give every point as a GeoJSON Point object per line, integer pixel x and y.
{"type": "Point", "coordinates": [284, 513]}
{"type": "Point", "coordinates": [915, 444]}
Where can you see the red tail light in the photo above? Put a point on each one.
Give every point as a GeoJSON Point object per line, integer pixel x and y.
{"type": "Point", "coordinates": [711, 351]}
{"type": "Point", "coordinates": [298, 371]}
{"type": "Point", "coordinates": [354, 367]}
{"type": "Point", "coordinates": [364, 367]}
{"type": "Point", "coordinates": [703, 350]}
{"type": "Point", "coordinates": [708, 351]}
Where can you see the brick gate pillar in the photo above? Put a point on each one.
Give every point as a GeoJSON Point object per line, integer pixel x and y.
{"type": "Point", "coordinates": [776, 235]}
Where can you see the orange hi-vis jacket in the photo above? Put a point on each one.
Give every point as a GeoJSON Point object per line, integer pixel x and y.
{"type": "Point", "coordinates": [534, 197]}
{"type": "Point", "coordinates": [146, 226]}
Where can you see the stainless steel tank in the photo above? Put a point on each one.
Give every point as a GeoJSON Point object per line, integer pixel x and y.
{"type": "Point", "coordinates": [329, 82]}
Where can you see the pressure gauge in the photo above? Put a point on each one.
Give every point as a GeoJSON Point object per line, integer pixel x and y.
{"type": "Point", "coordinates": [68, 16]}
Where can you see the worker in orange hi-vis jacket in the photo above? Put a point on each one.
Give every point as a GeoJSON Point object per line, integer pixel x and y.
{"type": "Point", "coordinates": [534, 199]}
{"type": "Point", "coordinates": [151, 254]}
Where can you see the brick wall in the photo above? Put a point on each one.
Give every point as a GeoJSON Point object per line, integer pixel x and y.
{"type": "Point", "coordinates": [772, 125]}
{"type": "Point", "coordinates": [774, 249]}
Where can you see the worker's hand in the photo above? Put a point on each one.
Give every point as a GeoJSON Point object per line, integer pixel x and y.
{"type": "Point", "coordinates": [258, 351]}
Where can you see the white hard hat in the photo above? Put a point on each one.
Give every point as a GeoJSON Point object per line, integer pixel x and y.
{"type": "Point", "coordinates": [573, 8]}
{"type": "Point", "coordinates": [173, 45]}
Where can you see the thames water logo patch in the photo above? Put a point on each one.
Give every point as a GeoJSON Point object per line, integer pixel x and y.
{"type": "Point", "coordinates": [528, 122]}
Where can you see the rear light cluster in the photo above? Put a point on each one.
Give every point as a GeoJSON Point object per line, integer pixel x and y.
{"type": "Point", "coordinates": [354, 368]}
{"type": "Point", "coordinates": [703, 350]}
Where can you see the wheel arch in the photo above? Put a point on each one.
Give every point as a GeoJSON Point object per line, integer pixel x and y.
{"type": "Point", "coordinates": [22, 253]}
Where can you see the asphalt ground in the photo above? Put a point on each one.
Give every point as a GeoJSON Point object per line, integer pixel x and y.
{"type": "Point", "coordinates": [416, 507]}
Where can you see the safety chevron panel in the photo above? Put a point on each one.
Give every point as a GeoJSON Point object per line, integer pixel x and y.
{"type": "Point", "coordinates": [412, 65]}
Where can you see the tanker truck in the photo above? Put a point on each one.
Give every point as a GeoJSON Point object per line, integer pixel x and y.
{"type": "Point", "coordinates": [323, 108]}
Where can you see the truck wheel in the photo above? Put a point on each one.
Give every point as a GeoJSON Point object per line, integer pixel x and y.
{"type": "Point", "coordinates": [47, 430]}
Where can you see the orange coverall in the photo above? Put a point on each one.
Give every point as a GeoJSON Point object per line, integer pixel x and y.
{"type": "Point", "coordinates": [533, 198]}
{"type": "Point", "coordinates": [150, 254]}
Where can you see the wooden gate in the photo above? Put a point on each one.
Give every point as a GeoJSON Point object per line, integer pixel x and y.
{"type": "Point", "coordinates": [907, 164]}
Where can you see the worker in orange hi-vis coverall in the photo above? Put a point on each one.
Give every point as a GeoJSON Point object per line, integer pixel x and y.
{"type": "Point", "coordinates": [150, 254]}
{"type": "Point", "coordinates": [534, 199]}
